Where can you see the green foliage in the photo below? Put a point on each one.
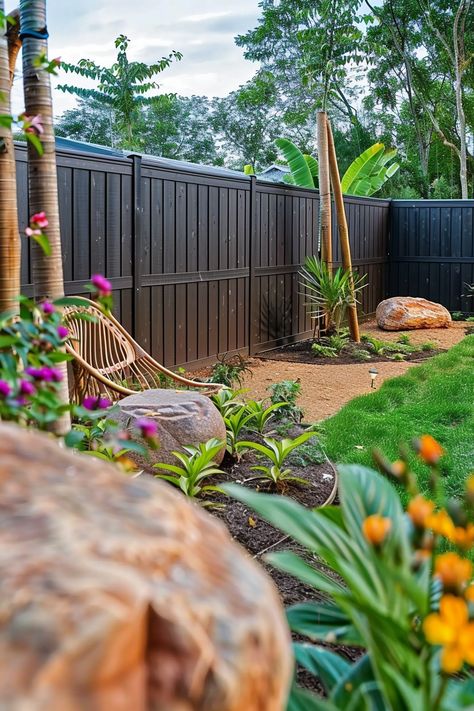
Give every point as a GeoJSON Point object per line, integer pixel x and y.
{"type": "Point", "coordinates": [368, 172]}
{"type": "Point", "coordinates": [457, 316]}
{"type": "Point", "coordinates": [98, 434]}
{"type": "Point", "coordinates": [428, 346]}
{"type": "Point", "coordinates": [277, 451]}
{"type": "Point", "coordinates": [285, 394]}
{"type": "Point", "coordinates": [338, 341]}
{"type": "Point", "coordinates": [329, 293]}
{"type": "Point", "coordinates": [361, 354]}
{"type": "Point", "coordinates": [196, 465]}
{"type": "Point", "coordinates": [226, 400]}
{"type": "Point", "coordinates": [261, 413]}
{"type": "Point", "coordinates": [236, 420]}
{"type": "Point", "coordinates": [304, 169]}
{"type": "Point", "coordinates": [229, 371]}
{"type": "Point", "coordinates": [374, 592]}
{"type": "Point", "coordinates": [323, 351]}
{"type": "Point", "coordinates": [404, 339]}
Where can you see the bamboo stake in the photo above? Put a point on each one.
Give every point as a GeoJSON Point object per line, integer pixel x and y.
{"type": "Point", "coordinates": [343, 230]}
{"type": "Point", "coordinates": [14, 42]}
{"type": "Point", "coordinates": [325, 226]}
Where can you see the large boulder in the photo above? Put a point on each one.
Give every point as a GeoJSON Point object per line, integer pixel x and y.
{"type": "Point", "coordinates": [116, 594]}
{"type": "Point", "coordinates": [404, 313]}
{"type": "Point", "coordinates": [182, 418]}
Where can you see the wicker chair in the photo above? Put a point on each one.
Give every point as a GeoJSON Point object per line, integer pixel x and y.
{"type": "Point", "coordinates": [107, 361]}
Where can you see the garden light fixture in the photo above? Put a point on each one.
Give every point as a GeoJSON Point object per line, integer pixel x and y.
{"type": "Point", "coordinates": [373, 374]}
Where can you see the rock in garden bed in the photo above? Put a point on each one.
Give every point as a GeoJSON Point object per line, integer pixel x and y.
{"type": "Point", "coordinates": [403, 313]}
{"type": "Point", "coordinates": [117, 593]}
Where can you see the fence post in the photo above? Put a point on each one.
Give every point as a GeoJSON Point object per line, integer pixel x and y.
{"type": "Point", "coordinates": [253, 306]}
{"type": "Point", "coordinates": [137, 246]}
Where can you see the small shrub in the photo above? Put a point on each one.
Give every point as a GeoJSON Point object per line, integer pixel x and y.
{"type": "Point", "coordinates": [428, 346]}
{"type": "Point", "coordinates": [226, 400]}
{"type": "Point", "coordinates": [323, 351]}
{"type": "Point", "coordinates": [229, 371]}
{"type": "Point", "coordinates": [397, 356]}
{"type": "Point", "coordinates": [337, 341]}
{"type": "Point", "coordinates": [235, 421]}
{"type": "Point", "coordinates": [404, 339]}
{"type": "Point", "coordinates": [457, 316]}
{"type": "Point", "coordinates": [196, 464]}
{"type": "Point", "coordinates": [286, 392]}
{"type": "Point", "coordinates": [470, 319]}
{"type": "Point", "coordinates": [261, 415]}
{"type": "Point", "coordinates": [361, 354]}
{"type": "Point", "coordinates": [277, 451]}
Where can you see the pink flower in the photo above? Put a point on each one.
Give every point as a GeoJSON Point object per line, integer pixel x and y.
{"type": "Point", "coordinates": [27, 387]}
{"type": "Point", "coordinates": [40, 220]}
{"type": "Point", "coordinates": [32, 124]}
{"type": "Point", "coordinates": [103, 285]}
{"type": "Point", "coordinates": [56, 61]}
{"type": "Point", "coordinates": [63, 332]}
{"type": "Point", "coordinates": [95, 402]}
{"type": "Point", "coordinates": [29, 232]}
{"type": "Point", "coordinates": [47, 308]}
{"type": "Point", "coordinates": [147, 427]}
{"type": "Point", "coordinates": [45, 374]}
{"type": "Point", "coordinates": [5, 388]}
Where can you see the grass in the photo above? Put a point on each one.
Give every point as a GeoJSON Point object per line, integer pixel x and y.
{"type": "Point", "coordinates": [434, 398]}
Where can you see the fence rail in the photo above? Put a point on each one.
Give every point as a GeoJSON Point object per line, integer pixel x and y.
{"type": "Point", "coordinates": [205, 261]}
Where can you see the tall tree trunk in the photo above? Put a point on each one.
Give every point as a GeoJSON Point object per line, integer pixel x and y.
{"type": "Point", "coordinates": [9, 232]}
{"type": "Point", "coordinates": [14, 42]}
{"type": "Point", "coordinates": [343, 231]}
{"type": "Point", "coordinates": [325, 230]}
{"type": "Point", "coordinates": [42, 174]}
{"type": "Point", "coordinates": [459, 68]}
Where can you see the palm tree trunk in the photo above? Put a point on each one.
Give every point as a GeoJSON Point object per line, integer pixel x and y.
{"type": "Point", "coordinates": [42, 174]}
{"type": "Point", "coordinates": [343, 232]}
{"type": "Point", "coordinates": [9, 232]}
{"type": "Point", "coordinates": [325, 231]}
{"type": "Point", "coordinates": [14, 41]}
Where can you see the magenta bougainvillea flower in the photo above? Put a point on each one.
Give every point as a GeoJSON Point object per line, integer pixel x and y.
{"type": "Point", "coordinates": [62, 332]}
{"type": "Point", "coordinates": [95, 402]}
{"type": "Point", "coordinates": [147, 427]}
{"type": "Point", "coordinates": [5, 388]}
{"type": "Point", "coordinates": [45, 374]}
{"type": "Point", "coordinates": [47, 308]}
{"type": "Point", "coordinates": [103, 285]}
{"type": "Point", "coordinates": [27, 387]}
{"type": "Point", "coordinates": [39, 220]}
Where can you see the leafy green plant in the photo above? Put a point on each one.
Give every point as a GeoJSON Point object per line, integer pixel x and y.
{"type": "Point", "coordinates": [226, 400]}
{"type": "Point", "coordinates": [397, 356]}
{"type": "Point", "coordinates": [277, 451]}
{"type": "Point", "coordinates": [261, 414]}
{"type": "Point", "coordinates": [428, 346]}
{"type": "Point", "coordinates": [365, 176]}
{"type": "Point", "coordinates": [329, 293]}
{"type": "Point", "coordinates": [361, 354]}
{"type": "Point", "coordinates": [338, 341]}
{"type": "Point", "coordinates": [457, 315]}
{"type": "Point", "coordinates": [286, 392]}
{"type": "Point", "coordinates": [404, 338]}
{"type": "Point", "coordinates": [228, 371]}
{"type": "Point", "coordinates": [235, 421]}
{"type": "Point", "coordinates": [323, 351]}
{"type": "Point", "coordinates": [196, 465]}
{"type": "Point", "coordinates": [387, 588]}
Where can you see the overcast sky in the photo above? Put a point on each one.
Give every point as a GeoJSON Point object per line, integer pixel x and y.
{"type": "Point", "coordinates": [203, 30]}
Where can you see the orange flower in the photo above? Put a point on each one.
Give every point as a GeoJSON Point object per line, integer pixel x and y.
{"type": "Point", "coordinates": [453, 571]}
{"type": "Point", "coordinates": [441, 523]}
{"type": "Point", "coordinates": [375, 528]}
{"type": "Point", "coordinates": [451, 629]}
{"type": "Point", "coordinates": [429, 449]}
{"type": "Point", "coordinates": [463, 537]}
{"type": "Point", "coordinates": [419, 509]}
{"type": "Point", "coordinates": [398, 468]}
{"type": "Point", "coordinates": [469, 593]}
{"type": "Point", "coordinates": [470, 485]}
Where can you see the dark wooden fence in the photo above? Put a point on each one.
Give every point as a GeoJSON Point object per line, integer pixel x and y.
{"type": "Point", "coordinates": [204, 261]}
{"type": "Point", "coordinates": [432, 250]}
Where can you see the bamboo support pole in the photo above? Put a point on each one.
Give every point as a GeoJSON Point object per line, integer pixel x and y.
{"type": "Point", "coordinates": [343, 230]}
{"type": "Point", "coordinates": [325, 227]}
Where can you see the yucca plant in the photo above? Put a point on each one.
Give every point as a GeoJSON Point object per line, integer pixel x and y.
{"type": "Point", "coordinates": [261, 414]}
{"type": "Point", "coordinates": [196, 464]}
{"type": "Point", "coordinates": [365, 176]}
{"type": "Point", "coordinates": [329, 293]}
{"type": "Point", "coordinates": [277, 451]}
{"type": "Point", "coordinates": [387, 587]}
{"type": "Point", "coordinates": [235, 421]}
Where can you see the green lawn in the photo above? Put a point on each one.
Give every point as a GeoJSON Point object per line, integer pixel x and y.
{"type": "Point", "coordinates": [435, 398]}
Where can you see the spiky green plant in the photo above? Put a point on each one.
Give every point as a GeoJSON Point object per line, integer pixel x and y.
{"type": "Point", "coordinates": [277, 451]}
{"type": "Point", "coordinates": [196, 464]}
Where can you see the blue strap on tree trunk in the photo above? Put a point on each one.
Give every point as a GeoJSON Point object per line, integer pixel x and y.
{"type": "Point", "coordinates": [40, 34]}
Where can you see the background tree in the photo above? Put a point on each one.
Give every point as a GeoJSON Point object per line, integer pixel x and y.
{"type": "Point", "coordinates": [92, 122]}
{"type": "Point", "coordinates": [124, 86]}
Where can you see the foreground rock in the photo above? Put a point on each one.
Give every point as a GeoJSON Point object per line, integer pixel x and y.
{"type": "Point", "coordinates": [181, 417]}
{"type": "Point", "coordinates": [404, 313]}
{"type": "Point", "coordinates": [116, 594]}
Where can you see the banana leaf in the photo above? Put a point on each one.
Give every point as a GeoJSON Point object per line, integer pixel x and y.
{"type": "Point", "coordinates": [300, 169]}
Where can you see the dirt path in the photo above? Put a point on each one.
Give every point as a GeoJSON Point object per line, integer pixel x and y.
{"type": "Point", "coordinates": [326, 388]}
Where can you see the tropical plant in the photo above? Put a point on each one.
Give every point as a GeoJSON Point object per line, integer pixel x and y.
{"type": "Point", "coordinates": [236, 420]}
{"type": "Point", "coordinates": [196, 464]}
{"type": "Point", "coordinates": [226, 400]}
{"type": "Point", "coordinates": [323, 351]}
{"type": "Point", "coordinates": [43, 184]}
{"type": "Point", "coordinates": [286, 392]}
{"type": "Point", "coordinates": [261, 414]}
{"type": "Point", "coordinates": [229, 370]}
{"type": "Point", "coordinates": [329, 293]}
{"type": "Point", "coordinates": [277, 451]}
{"type": "Point", "coordinates": [365, 176]}
{"type": "Point", "coordinates": [388, 587]}
{"type": "Point", "coordinates": [337, 341]}
{"type": "Point", "coordinates": [404, 338]}
{"type": "Point", "coordinates": [124, 86]}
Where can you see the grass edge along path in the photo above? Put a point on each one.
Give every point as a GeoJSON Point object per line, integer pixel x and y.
{"type": "Point", "coordinates": [435, 398]}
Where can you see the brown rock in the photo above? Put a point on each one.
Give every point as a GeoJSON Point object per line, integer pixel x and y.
{"type": "Point", "coordinates": [116, 594]}
{"type": "Point", "coordinates": [404, 313]}
{"type": "Point", "coordinates": [182, 418]}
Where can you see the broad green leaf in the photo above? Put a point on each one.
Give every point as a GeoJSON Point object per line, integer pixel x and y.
{"type": "Point", "coordinates": [300, 169]}
{"type": "Point", "coordinates": [313, 167]}
{"type": "Point", "coordinates": [323, 622]}
{"type": "Point", "coordinates": [289, 562]}
{"type": "Point", "coordinates": [6, 341]}
{"type": "Point", "coordinates": [352, 686]}
{"type": "Point", "coordinates": [302, 700]}
{"type": "Point", "coordinates": [327, 666]}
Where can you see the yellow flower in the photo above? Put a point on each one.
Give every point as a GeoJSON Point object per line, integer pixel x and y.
{"type": "Point", "coordinates": [429, 449]}
{"type": "Point", "coordinates": [375, 528]}
{"type": "Point", "coordinates": [419, 509]}
{"type": "Point", "coordinates": [453, 571]}
{"type": "Point", "coordinates": [441, 523]}
{"type": "Point", "coordinates": [451, 629]}
{"type": "Point", "coordinates": [470, 485]}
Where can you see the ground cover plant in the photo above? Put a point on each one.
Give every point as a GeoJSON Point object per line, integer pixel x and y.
{"type": "Point", "coordinates": [384, 585]}
{"type": "Point", "coordinates": [437, 396]}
